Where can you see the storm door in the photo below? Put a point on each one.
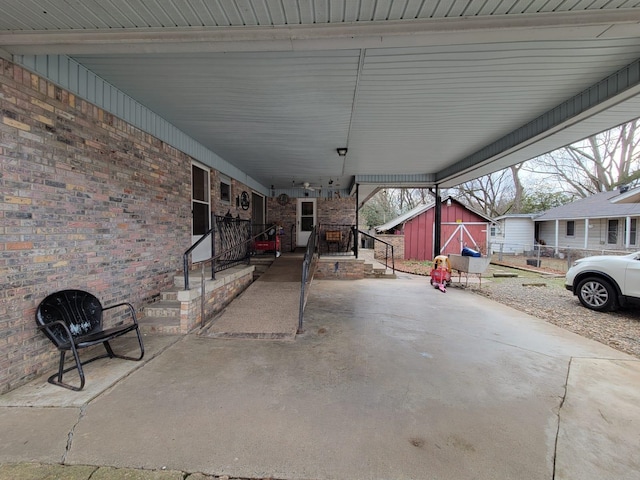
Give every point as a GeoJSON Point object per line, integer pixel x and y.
{"type": "Point", "coordinates": [305, 220]}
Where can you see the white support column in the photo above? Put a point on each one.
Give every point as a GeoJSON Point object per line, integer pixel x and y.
{"type": "Point", "coordinates": [627, 233]}
{"type": "Point", "coordinates": [557, 234]}
{"type": "Point", "coordinates": [586, 233]}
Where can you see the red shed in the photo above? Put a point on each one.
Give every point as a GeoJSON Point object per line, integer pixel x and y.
{"type": "Point", "coordinates": [461, 227]}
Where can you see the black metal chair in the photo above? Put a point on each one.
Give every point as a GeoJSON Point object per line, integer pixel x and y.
{"type": "Point", "coordinates": [72, 320]}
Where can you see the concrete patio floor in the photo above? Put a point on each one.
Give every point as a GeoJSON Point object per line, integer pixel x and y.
{"type": "Point", "coordinates": [391, 379]}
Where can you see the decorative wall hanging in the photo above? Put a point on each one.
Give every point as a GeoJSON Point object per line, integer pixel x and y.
{"type": "Point", "coordinates": [244, 200]}
{"type": "Point", "coordinates": [283, 199]}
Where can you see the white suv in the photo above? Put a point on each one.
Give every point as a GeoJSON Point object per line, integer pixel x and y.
{"type": "Point", "coordinates": [605, 283]}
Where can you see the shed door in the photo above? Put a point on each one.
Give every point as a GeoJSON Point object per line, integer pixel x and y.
{"type": "Point", "coordinates": [455, 236]}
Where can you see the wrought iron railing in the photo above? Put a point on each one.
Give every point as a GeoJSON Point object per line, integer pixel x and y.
{"type": "Point", "coordinates": [230, 237]}
{"type": "Point", "coordinates": [244, 244]}
{"type": "Point", "coordinates": [308, 267]}
{"type": "Point", "coordinates": [337, 239]}
{"type": "Point", "coordinates": [388, 248]}
{"type": "Point", "coordinates": [233, 243]}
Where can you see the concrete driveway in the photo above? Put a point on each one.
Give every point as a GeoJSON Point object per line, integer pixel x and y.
{"type": "Point", "coordinates": [392, 379]}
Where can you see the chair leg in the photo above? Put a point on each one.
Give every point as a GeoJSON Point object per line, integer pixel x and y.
{"type": "Point", "coordinates": [61, 365]}
{"type": "Point", "coordinates": [61, 370]}
{"type": "Point", "coordinates": [112, 354]}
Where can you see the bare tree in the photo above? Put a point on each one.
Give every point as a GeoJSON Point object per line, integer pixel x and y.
{"type": "Point", "coordinates": [518, 189]}
{"type": "Point", "coordinates": [409, 198]}
{"type": "Point", "coordinates": [596, 164]}
{"type": "Point", "coordinates": [495, 194]}
{"type": "Point", "coordinates": [388, 203]}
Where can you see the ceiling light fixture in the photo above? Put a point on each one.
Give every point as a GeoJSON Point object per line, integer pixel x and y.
{"type": "Point", "coordinates": [342, 151]}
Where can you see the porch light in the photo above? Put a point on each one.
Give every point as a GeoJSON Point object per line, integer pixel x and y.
{"type": "Point", "coordinates": [342, 151]}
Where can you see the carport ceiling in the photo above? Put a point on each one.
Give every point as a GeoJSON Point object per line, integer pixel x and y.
{"type": "Point", "coordinates": [420, 92]}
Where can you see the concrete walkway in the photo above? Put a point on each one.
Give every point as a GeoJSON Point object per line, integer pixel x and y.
{"type": "Point", "coordinates": [392, 379]}
{"type": "Point", "coordinates": [268, 309]}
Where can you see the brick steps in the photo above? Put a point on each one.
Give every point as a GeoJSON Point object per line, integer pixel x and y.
{"type": "Point", "coordinates": [377, 272]}
{"type": "Point", "coordinates": [162, 317]}
{"type": "Point", "coordinates": [164, 308]}
{"type": "Point", "coordinates": [178, 310]}
{"type": "Point", "coordinates": [160, 325]}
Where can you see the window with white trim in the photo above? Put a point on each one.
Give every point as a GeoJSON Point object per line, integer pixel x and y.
{"type": "Point", "coordinates": [633, 233]}
{"type": "Point", "coordinates": [225, 190]}
{"type": "Point", "coordinates": [612, 232]}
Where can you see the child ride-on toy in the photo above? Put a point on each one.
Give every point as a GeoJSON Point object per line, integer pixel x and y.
{"type": "Point", "coordinates": [441, 272]}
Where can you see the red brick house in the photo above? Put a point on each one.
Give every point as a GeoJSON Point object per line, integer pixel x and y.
{"type": "Point", "coordinates": [90, 201]}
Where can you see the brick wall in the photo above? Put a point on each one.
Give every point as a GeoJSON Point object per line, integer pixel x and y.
{"type": "Point", "coordinates": [86, 201]}
{"type": "Point", "coordinates": [340, 211]}
{"type": "Point", "coordinates": [337, 211]}
{"type": "Point", "coordinates": [332, 268]}
{"type": "Point", "coordinates": [398, 246]}
{"type": "Point", "coordinates": [285, 216]}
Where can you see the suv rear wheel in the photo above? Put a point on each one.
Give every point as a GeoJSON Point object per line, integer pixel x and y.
{"type": "Point", "coordinates": [597, 294]}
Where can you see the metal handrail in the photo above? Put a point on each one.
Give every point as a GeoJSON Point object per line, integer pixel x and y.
{"type": "Point", "coordinates": [343, 244]}
{"type": "Point", "coordinates": [309, 254]}
{"type": "Point", "coordinates": [189, 251]}
{"type": "Point", "coordinates": [213, 258]}
{"type": "Point", "coordinates": [386, 258]}
{"type": "Point", "coordinates": [213, 270]}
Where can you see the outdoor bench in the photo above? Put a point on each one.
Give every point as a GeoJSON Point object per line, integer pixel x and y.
{"type": "Point", "coordinates": [333, 237]}
{"type": "Point", "coordinates": [72, 320]}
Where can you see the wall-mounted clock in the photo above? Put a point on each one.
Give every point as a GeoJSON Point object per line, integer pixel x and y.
{"type": "Point", "coordinates": [283, 199]}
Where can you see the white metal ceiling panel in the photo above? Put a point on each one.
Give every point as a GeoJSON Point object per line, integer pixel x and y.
{"type": "Point", "coordinates": [254, 110]}
{"type": "Point", "coordinates": [462, 74]}
{"type": "Point", "coordinates": [110, 14]}
{"type": "Point", "coordinates": [427, 105]}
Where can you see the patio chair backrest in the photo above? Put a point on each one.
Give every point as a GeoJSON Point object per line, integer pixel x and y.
{"type": "Point", "coordinates": [79, 310]}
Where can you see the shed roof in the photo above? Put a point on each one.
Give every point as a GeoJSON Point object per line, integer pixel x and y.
{"type": "Point", "coordinates": [600, 205]}
{"type": "Point", "coordinates": [405, 217]}
{"type": "Point", "coordinates": [420, 209]}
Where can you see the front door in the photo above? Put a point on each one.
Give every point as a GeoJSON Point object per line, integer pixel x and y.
{"type": "Point", "coordinates": [201, 212]}
{"type": "Point", "coordinates": [305, 220]}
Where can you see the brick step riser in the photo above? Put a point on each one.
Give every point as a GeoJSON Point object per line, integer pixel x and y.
{"type": "Point", "coordinates": [166, 312]}
{"type": "Point", "coordinates": [159, 328]}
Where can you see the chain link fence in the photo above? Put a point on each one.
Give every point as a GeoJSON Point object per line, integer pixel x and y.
{"type": "Point", "coordinates": [544, 256]}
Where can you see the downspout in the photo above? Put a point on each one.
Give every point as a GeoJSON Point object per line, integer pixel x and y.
{"type": "Point", "coordinates": [557, 235]}
{"type": "Point", "coordinates": [437, 224]}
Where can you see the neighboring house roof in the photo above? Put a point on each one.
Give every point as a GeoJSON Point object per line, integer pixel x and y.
{"type": "Point", "coordinates": [600, 205]}
{"type": "Point", "coordinates": [530, 216]}
{"type": "Point", "coordinates": [420, 209]}
{"type": "Point", "coordinates": [630, 196]}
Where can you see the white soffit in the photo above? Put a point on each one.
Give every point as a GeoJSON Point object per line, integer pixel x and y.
{"type": "Point", "coordinates": [410, 87]}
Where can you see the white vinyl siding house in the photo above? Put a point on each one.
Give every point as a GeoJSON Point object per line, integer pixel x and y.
{"type": "Point", "coordinates": [604, 221]}
{"type": "Point", "coordinates": [513, 234]}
